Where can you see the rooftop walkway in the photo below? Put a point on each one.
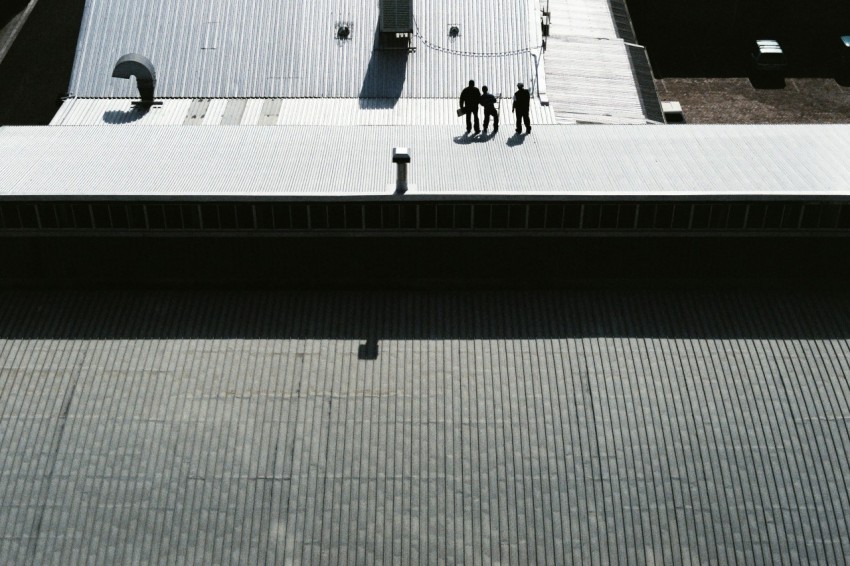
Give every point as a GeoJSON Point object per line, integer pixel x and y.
{"type": "Point", "coordinates": [591, 74]}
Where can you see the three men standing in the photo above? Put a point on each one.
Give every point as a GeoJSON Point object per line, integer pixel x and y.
{"type": "Point", "coordinates": [469, 99]}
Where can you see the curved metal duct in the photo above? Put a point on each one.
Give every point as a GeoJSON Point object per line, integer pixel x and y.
{"type": "Point", "coordinates": [134, 64]}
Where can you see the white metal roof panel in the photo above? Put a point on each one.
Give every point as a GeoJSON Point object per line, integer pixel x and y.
{"type": "Point", "coordinates": [588, 79]}
{"type": "Point", "coordinates": [281, 48]}
{"type": "Point", "coordinates": [281, 112]}
{"type": "Point", "coordinates": [586, 18]}
{"type": "Point", "coordinates": [316, 161]}
{"type": "Point", "coordinates": [589, 74]}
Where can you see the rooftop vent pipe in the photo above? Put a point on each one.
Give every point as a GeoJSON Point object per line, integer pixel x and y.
{"type": "Point", "coordinates": [401, 157]}
{"type": "Point", "coordinates": [134, 64]}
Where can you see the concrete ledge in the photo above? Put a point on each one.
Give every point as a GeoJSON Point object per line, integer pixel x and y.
{"type": "Point", "coordinates": [673, 112]}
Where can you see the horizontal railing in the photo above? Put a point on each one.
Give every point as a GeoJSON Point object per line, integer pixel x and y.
{"type": "Point", "coordinates": [424, 217]}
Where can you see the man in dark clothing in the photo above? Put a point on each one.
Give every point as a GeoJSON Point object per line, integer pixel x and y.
{"type": "Point", "coordinates": [522, 102]}
{"type": "Point", "coordinates": [469, 99]}
{"type": "Point", "coordinates": [488, 101]}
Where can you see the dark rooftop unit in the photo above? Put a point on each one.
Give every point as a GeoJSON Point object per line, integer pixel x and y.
{"type": "Point", "coordinates": [397, 16]}
{"type": "Point", "coordinates": [396, 25]}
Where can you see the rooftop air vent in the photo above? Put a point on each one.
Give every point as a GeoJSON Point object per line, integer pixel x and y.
{"type": "Point", "coordinates": [134, 64]}
{"type": "Point", "coordinates": [397, 16]}
{"type": "Point", "coordinates": [396, 25]}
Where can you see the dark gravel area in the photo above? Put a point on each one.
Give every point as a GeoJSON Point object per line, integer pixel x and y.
{"type": "Point", "coordinates": [700, 51]}
{"type": "Point", "coordinates": [735, 100]}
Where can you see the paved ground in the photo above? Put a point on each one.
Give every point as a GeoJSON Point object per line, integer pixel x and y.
{"type": "Point", "coordinates": [734, 100]}
{"type": "Point", "coordinates": [586, 427]}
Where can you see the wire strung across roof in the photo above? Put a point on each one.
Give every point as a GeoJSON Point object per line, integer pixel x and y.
{"type": "Point", "coordinates": [425, 42]}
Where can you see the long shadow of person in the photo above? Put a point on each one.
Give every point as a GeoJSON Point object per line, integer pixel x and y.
{"type": "Point", "coordinates": [467, 139]}
{"type": "Point", "coordinates": [464, 139]}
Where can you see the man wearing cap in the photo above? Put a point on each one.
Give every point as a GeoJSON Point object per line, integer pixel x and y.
{"type": "Point", "coordinates": [469, 99]}
{"type": "Point", "coordinates": [522, 102]}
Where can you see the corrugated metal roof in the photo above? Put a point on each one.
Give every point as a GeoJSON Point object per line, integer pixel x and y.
{"type": "Point", "coordinates": [320, 161]}
{"type": "Point", "coordinates": [280, 48]}
{"type": "Point", "coordinates": [584, 427]}
{"type": "Point", "coordinates": [590, 73]}
{"type": "Point", "coordinates": [294, 53]}
{"type": "Point", "coordinates": [581, 18]}
{"type": "Point", "coordinates": [281, 112]}
{"type": "Point", "coordinates": [591, 81]}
